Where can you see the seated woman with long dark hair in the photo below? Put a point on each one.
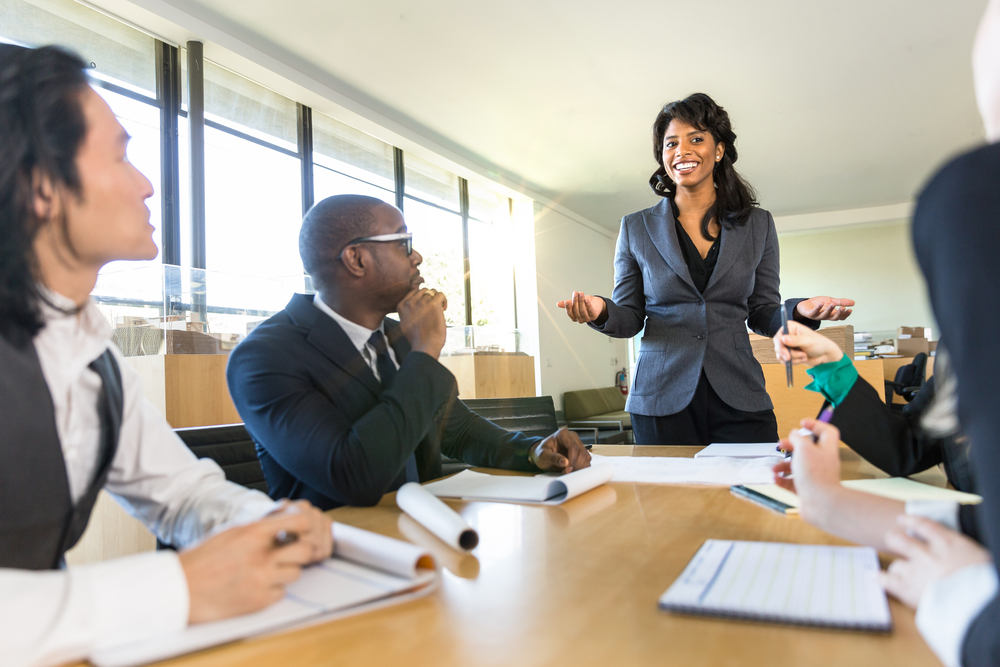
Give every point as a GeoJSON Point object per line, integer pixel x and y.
{"type": "Point", "coordinates": [72, 416]}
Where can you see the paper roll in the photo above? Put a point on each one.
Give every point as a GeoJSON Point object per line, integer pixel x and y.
{"type": "Point", "coordinates": [427, 510]}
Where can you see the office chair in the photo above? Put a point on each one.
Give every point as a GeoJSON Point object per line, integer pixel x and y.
{"type": "Point", "coordinates": [535, 416]}
{"type": "Point", "coordinates": [908, 381]}
{"type": "Point", "coordinates": [231, 446]}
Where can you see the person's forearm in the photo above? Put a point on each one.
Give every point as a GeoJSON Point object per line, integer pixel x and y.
{"type": "Point", "coordinates": [620, 321]}
{"type": "Point", "coordinates": [851, 515]}
{"type": "Point", "coordinates": [54, 617]}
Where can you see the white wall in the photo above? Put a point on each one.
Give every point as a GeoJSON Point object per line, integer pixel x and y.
{"type": "Point", "coordinates": [872, 264]}
{"type": "Point", "coordinates": [568, 257]}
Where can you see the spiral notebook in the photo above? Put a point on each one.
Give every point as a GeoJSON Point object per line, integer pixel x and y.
{"type": "Point", "coordinates": [798, 584]}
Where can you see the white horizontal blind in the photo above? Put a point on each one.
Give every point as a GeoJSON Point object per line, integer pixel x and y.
{"type": "Point", "coordinates": [118, 51]}
{"type": "Point", "coordinates": [352, 152]}
{"type": "Point", "coordinates": [431, 183]}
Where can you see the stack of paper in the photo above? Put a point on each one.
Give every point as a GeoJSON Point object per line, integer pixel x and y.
{"type": "Point", "coordinates": [724, 471]}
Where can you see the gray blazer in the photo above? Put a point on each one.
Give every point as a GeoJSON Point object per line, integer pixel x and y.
{"type": "Point", "coordinates": [686, 330]}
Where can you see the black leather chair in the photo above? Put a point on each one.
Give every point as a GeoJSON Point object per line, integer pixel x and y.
{"type": "Point", "coordinates": [534, 416]}
{"type": "Point", "coordinates": [909, 379]}
{"type": "Point", "coordinates": [231, 447]}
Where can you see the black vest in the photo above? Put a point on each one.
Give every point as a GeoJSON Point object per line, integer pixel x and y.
{"type": "Point", "coordinates": [38, 522]}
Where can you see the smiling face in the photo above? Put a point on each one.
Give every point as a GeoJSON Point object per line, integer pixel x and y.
{"type": "Point", "coordinates": [689, 154]}
{"type": "Point", "coordinates": [109, 219]}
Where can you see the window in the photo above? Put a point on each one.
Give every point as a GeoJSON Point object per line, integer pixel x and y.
{"type": "Point", "coordinates": [253, 208]}
{"type": "Point", "coordinates": [491, 258]}
{"type": "Point", "coordinates": [432, 212]}
{"type": "Point", "coordinates": [437, 236]}
{"type": "Point", "coordinates": [254, 187]}
{"type": "Point", "coordinates": [347, 161]}
{"type": "Point", "coordinates": [117, 52]}
{"type": "Point", "coordinates": [431, 184]}
{"type": "Point", "coordinates": [253, 190]}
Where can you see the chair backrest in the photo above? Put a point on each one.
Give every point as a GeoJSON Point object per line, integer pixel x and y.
{"type": "Point", "coordinates": [231, 446]}
{"type": "Point", "coordinates": [586, 403]}
{"type": "Point", "coordinates": [531, 415]}
{"type": "Point", "coordinates": [912, 374]}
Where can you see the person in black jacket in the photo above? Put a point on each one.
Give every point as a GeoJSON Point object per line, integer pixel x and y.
{"type": "Point", "coordinates": [950, 579]}
{"type": "Point", "coordinates": [924, 434]}
{"type": "Point", "coordinates": [345, 404]}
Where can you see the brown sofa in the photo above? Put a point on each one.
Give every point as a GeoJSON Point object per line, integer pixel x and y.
{"type": "Point", "coordinates": [588, 406]}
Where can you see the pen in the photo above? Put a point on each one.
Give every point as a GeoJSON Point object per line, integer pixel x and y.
{"type": "Point", "coordinates": [825, 416]}
{"type": "Point", "coordinates": [285, 537]}
{"type": "Point", "coordinates": [784, 330]}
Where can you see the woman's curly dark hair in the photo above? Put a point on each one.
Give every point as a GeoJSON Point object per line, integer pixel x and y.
{"type": "Point", "coordinates": [735, 197]}
{"type": "Point", "coordinates": [41, 130]}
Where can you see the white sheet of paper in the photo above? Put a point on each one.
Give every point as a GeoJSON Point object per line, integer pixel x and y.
{"type": "Point", "coordinates": [897, 488]}
{"type": "Point", "coordinates": [539, 489]}
{"type": "Point", "coordinates": [741, 450]}
{"type": "Point", "coordinates": [787, 583]}
{"type": "Point", "coordinates": [724, 471]}
{"type": "Point", "coordinates": [428, 510]}
{"type": "Point", "coordinates": [335, 586]}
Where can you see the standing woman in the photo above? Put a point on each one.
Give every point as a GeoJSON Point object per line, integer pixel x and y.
{"type": "Point", "coordinates": [694, 270]}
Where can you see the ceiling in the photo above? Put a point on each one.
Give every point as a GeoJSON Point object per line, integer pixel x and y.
{"type": "Point", "coordinates": [841, 104]}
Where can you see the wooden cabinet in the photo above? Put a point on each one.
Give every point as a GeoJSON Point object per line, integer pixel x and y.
{"type": "Point", "coordinates": [189, 389]}
{"type": "Point", "coordinates": [492, 375]}
{"type": "Point", "coordinates": [793, 405]}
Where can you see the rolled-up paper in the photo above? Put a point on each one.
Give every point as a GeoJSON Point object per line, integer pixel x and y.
{"type": "Point", "coordinates": [427, 510]}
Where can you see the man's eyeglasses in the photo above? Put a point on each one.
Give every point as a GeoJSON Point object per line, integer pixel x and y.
{"type": "Point", "coordinates": [406, 237]}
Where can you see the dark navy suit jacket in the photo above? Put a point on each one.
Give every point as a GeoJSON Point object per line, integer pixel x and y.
{"type": "Point", "coordinates": [325, 429]}
{"type": "Point", "coordinates": [956, 232]}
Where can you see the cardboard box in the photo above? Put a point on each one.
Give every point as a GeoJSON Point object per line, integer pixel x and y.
{"type": "Point", "coordinates": [763, 347]}
{"type": "Point", "coordinates": [911, 332]}
{"type": "Point", "coordinates": [911, 347]}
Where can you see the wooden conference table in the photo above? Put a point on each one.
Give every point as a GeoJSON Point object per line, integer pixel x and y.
{"type": "Point", "coordinates": [577, 585]}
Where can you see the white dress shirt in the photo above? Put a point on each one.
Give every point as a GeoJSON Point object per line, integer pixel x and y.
{"type": "Point", "coordinates": [948, 606]}
{"type": "Point", "coordinates": [52, 617]}
{"type": "Point", "coordinates": [359, 335]}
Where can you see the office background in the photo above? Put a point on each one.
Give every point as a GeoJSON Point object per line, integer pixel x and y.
{"type": "Point", "coordinates": [521, 133]}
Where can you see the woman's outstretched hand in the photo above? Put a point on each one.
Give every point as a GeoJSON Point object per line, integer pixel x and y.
{"type": "Point", "coordinates": [584, 308]}
{"type": "Point", "coordinates": [825, 308]}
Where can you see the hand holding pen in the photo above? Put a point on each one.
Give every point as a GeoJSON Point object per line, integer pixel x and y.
{"type": "Point", "coordinates": [802, 345]}
{"type": "Point", "coordinates": [815, 462]}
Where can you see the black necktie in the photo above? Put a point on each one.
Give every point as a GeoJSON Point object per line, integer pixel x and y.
{"type": "Point", "coordinates": [383, 362]}
{"type": "Point", "coordinates": [387, 372]}
{"type": "Point", "coordinates": [110, 404]}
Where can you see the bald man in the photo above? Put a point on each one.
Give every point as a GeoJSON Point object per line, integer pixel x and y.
{"type": "Point", "coordinates": [346, 404]}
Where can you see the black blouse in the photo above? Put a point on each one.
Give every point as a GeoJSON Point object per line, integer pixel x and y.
{"type": "Point", "coordinates": [700, 269]}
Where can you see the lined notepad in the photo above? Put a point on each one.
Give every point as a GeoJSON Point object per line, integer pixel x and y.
{"type": "Point", "coordinates": [834, 587]}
